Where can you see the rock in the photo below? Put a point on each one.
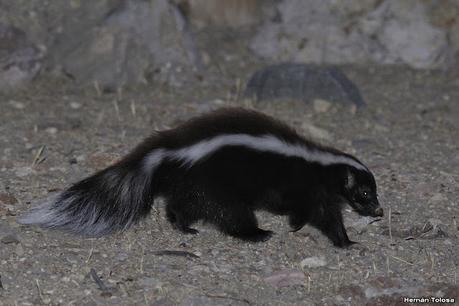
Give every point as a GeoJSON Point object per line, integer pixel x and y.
{"type": "Point", "coordinates": [303, 82]}
{"type": "Point", "coordinates": [16, 104]}
{"type": "Point", "coordinates": [10, 238]}
{"type": "Point", "coordinates": [412, 32]}
{"type": "Point", "coordinates": [316, 132]}
{"type": "Point", "coordinates": [20, 60]}
{"type": "Point", "coordinates": [408, 36]}
{"type": "Point", "coordinates": [134, 40]}
{"type": "Point", "coordinates": [313, 262]}
{"type": "Point", "coordinates": [75, 105]}
{"type": "Point", "coordinates": [68, 17]}
{"type": "Point", "coordinates": [361, 224]}
{"type": "Point", "coordinates": [309, 31]}
{"type": "Point", "coordinates": [51, 130]}
{"type": "Point", "coordinates": [7, 234]}
{"type": "Point", "coordinates": [285, 278]}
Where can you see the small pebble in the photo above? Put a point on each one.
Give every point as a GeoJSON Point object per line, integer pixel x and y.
{"type": "Point", "coordinates": [285, 278]}
{"type": "Point", "coordinates": [65, 279]}
{"type": "Point", "coordinates": [10, 238]}
{"type": "Point", "coordinates": [51, 130]}
{"type": "Point", "coordinates": [75, 105]}
{"type": "Point", "coordinates": [16, 104]}
{"type": "Point", "coordinates": [313, 262]}
{"type": "Point", "coordinates": [316, 132]}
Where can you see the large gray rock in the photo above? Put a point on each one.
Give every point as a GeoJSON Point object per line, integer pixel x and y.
{"type": "Point", "coordinates": [111, 42]}
{"type": "Point", "coordinates": [20, 60]}
{"type": "Point", "coordinates": [309, 31]}
{"type": "Point", "coordinates": [383, 32]}
{"type": "Point", "coordinates": [303, 82]}
{"type": "Point", "coordinates": [408, 36]}
{"type": "Point", "coordinates": [135, 38]}
{"type": "Point", "coordinates": [50, 22]}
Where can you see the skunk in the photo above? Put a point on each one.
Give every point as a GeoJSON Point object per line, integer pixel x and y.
{"type": "Point", "coordinates": [219, 168]}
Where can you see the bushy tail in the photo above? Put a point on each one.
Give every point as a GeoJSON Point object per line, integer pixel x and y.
{"type": "Point", "coordinates": [110, 200]}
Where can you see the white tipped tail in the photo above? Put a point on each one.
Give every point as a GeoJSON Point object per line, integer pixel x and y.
{"type": "Point", "coordinates": [110, 200]}
{"type": "Point", "coordinates": [41, 214]}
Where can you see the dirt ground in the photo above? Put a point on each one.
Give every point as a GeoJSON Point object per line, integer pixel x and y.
{"type": "Point", "coordinates": [54, 133]}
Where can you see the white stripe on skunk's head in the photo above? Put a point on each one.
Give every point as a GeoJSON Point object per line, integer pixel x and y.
{"type": "Point", "coordinates": [361, 192]}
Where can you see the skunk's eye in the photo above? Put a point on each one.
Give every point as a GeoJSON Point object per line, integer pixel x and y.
{"type": "Point", "coordinates": [365, 194]}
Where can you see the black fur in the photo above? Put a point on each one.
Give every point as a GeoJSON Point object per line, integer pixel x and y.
{"type": "Point", "coordinates": [224, 188]}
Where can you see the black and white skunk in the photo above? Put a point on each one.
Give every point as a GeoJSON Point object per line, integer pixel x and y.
{"type": "Point", "coordinates": [219, 168]}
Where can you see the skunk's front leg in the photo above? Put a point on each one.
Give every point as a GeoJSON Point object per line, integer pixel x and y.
{"type": "Point", "coordinates": [331, 224]}
{"type": "Point", "coordinates": [240, 222]}
{"type": "Point", "coordinates": [297, 221]}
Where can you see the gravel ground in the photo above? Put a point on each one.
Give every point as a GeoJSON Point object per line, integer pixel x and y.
{"type": "Point", "coordinates": [54, 134]}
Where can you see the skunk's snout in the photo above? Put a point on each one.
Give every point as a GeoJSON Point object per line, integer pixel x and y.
{"type": "Point", "coordinates": [379, 212]}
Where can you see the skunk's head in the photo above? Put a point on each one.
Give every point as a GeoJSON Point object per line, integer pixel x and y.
{"type": "Point", "coordinates": [360, 191]}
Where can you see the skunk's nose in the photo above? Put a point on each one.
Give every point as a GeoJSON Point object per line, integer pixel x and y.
{"type": "Point", "coordinates": [379, 212]}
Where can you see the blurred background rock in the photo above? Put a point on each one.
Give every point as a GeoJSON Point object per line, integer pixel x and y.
{"type": "Point", "coordinates": [125, 42]}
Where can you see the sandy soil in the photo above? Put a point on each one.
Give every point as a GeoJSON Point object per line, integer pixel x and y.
{"type": "Point", "coordinates": [54, 134]}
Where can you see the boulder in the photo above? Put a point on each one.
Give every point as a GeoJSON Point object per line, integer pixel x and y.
{"type": "Point", "coordinates": [20, 60]}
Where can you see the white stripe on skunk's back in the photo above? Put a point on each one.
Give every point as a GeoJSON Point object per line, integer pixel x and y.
{"type": "Point", "coordinates": [266, 143]}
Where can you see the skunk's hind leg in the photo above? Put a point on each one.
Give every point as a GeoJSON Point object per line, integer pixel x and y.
{"type": "Point", "coordinates": [170, 215]}
{"type": "Point", "coordinates": [180, 213]}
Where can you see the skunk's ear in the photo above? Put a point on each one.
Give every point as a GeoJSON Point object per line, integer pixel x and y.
{"type": "Point", "coordinates": [349, 179]}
